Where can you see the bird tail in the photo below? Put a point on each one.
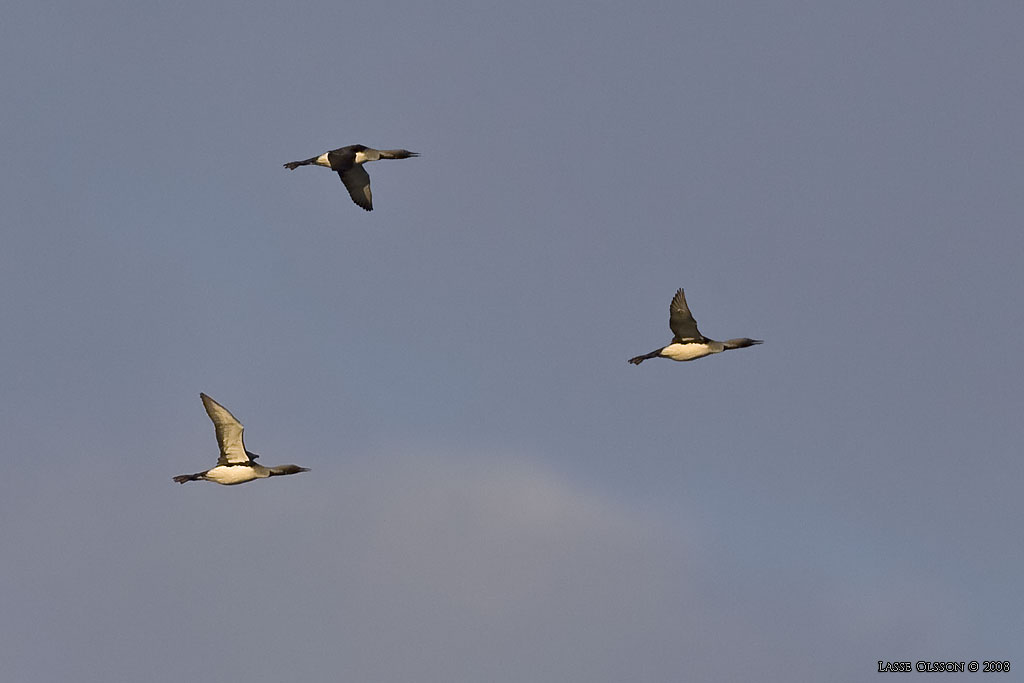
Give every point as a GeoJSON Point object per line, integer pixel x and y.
{"type": "Point", "coordinates": [182, 478]}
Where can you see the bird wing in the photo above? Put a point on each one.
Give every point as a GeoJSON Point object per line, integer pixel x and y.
{"type": "Point", "coordinates": [357, 181]}
{"type": "Point", "coordinates": [680, 320]}
{"type": "Point", "coordinates": [229, 433]}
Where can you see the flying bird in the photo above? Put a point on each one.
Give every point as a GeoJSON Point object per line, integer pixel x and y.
{"type": "Point", "coordinates": [687, 341]}
{"type": "Point", "coordinates": [235, 464]}
{"type": "Point", "coordinates": [348, 162]}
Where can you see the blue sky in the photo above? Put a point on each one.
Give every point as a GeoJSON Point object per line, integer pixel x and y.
{"type": "Point", "coordinates": [495, 493]}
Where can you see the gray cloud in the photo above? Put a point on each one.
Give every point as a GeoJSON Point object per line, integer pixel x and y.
{"type": "Point", "coordinates": [427, 567]}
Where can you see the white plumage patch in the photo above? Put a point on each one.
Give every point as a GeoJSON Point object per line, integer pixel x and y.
{"type": "Point", "coordinates": [362, 158]}
{"type": "Point", "coordinates": [323, 161]}
{"type": "Point", "coordinates": [229, 475]}
{"type": "Point", "coordinates": [688, 351]}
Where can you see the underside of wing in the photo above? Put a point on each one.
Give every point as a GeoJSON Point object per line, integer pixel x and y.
{"type": "Point", "coordinates": [357, 182]}
{"type": "Point", "coordinates": [229, 433]}
{"type": "Point", "coordinates": [681, 321]}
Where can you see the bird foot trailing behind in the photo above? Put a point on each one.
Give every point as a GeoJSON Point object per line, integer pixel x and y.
{"type": "Point", "coordinates": [637, 360]}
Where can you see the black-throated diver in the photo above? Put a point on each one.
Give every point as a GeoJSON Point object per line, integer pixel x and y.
{"type": "Point", "coordinates": [348, 162]}
{"type": "Point", "coordinates": [688, 343]}
{"type": "Point", "coordinates": [235, 464]}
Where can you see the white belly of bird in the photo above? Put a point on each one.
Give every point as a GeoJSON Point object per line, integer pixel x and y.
{"type": "Point", "coordinates": [688, 351]}
{"type": "Point", "coordinates": [229, 475]}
